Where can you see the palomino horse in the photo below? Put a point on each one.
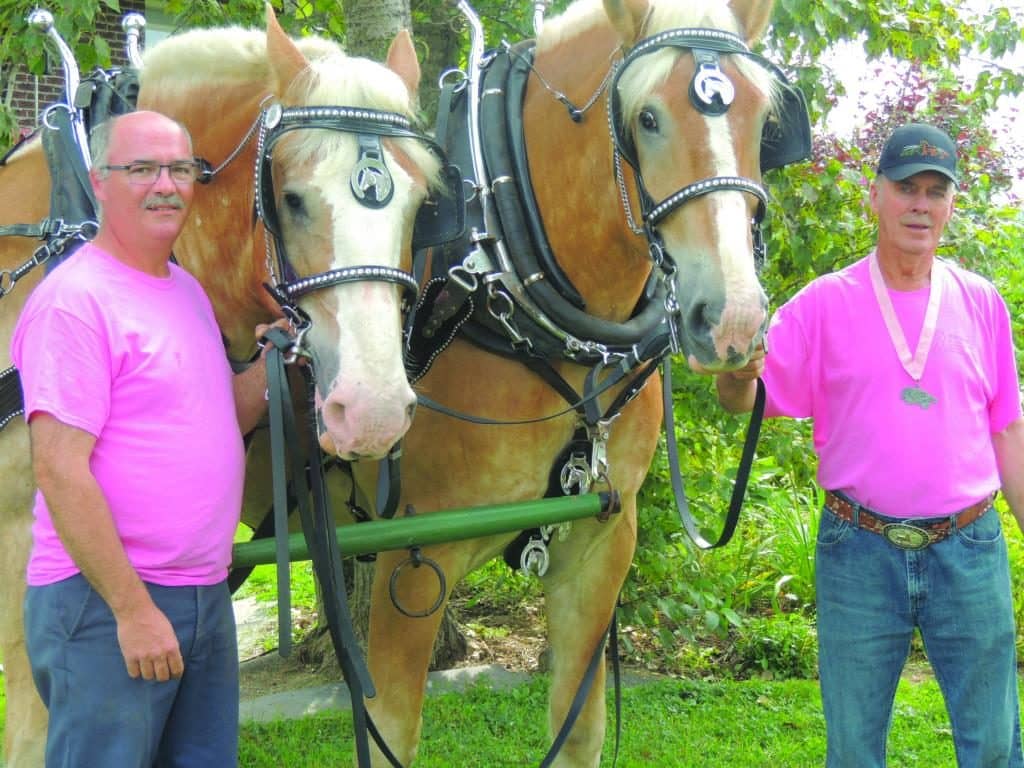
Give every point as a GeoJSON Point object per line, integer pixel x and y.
{"type": "Point", "coordinates": [703, 162]}
{"type": "Point", "coordinates": [342, 248]}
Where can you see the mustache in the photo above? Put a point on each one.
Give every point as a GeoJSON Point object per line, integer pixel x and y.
{"type": "Point", "coordinates": [174, 199]}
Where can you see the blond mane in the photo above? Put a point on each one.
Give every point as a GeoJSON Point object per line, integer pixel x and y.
{"type": "Point", "coordinates": [233, 57]}
{"type": "Point", "coordinates": [638, 82]}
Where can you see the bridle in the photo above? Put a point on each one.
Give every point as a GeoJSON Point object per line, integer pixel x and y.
{"type": "Point", "coordinates": [711, 92]}
{"type": "Point", "coordinates": [371, 184]}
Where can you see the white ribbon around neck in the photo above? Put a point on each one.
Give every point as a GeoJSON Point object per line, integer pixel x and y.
{"type": "Point", "coordinates": [912, 364]}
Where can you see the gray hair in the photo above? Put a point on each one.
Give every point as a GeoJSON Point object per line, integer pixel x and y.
{"type": "Point", "coordinates": [99, 149]}
{"type": "Point", "coordinates": [99, 140]}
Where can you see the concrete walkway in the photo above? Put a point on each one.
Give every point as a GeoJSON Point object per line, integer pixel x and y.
{"type": "Point", "coordinates": [287, 705]}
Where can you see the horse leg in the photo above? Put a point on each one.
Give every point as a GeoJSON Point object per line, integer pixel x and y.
{"type": "Point", "coordinates": [581, 590]}
{"type": "Point", "coordinates": [399, 647]}
{"type": "Point", "coordinates": [25, 729]}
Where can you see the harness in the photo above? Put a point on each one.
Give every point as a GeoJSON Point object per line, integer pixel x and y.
{"type": "Point", "coordinates": [72, 218]}
{"type": "Point", "coordinates": [501, 287]}
{"type": "Point", "coordinates": [370, 181]}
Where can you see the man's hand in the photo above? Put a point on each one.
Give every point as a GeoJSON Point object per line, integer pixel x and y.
{"type": "Point", "coordinates": [752, 370]}
{"type": "Point", "coordinates": [261, 331]}
{"type": "Point", "coordinates": [149, 645]}
{"type": "Point", "coordinates": [736, 389]}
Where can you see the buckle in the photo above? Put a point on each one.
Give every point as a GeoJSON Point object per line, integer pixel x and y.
{"type": "Point", "coordinates": [906, 536]}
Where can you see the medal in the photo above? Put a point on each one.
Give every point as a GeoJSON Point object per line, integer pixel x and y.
{"type": "Point", "coordinates": [912, 364]}
{"type": "Point", "coordinates": [916, 396]}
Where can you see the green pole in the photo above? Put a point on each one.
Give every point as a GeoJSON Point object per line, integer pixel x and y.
{"type": "Point", "coordinates": [437, 527]}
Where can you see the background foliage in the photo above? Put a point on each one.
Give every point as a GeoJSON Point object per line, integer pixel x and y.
{"type": "Point", "coordinates": [817, 222]}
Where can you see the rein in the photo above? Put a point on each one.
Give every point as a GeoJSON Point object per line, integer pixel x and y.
{"type": "Point", "coordinates": [318, 529]}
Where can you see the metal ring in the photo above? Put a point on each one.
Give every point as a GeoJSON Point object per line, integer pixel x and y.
{"type": "Point", "coordinates": [6, 281]}
{"type": "Point", "coordinates": [416, 559]}
{"type": "Point", "coordinates": [53, 108]}
{"type": "Point", "coordinates": [443, 78]}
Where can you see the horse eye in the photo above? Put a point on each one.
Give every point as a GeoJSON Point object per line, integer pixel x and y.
{"type": "Point", "coordinates": [294, 203]}
{"type": "Point", "coordinates": [648, 121]}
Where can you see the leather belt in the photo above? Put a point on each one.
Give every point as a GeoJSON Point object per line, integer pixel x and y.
{"type": "Point", "coordinates": [905, 534]}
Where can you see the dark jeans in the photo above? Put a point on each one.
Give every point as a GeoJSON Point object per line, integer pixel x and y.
{"type": "Point", "coordinates": [871, 595]}
{"type": "Point", "coordinates": [99, 716]}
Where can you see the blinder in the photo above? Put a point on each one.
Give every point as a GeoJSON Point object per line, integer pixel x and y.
{"type": "Point", "coordinates": [442, 217]}
{"type": "Point", "coordinates": [786, 136]}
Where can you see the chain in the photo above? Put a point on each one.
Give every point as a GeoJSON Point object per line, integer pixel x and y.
{"type": "Point", "coordinates": [576, 113]}
{"type": "Point", "coordinates": [54, 247]}
{"type": "Point", "coordinates": [624, 193]}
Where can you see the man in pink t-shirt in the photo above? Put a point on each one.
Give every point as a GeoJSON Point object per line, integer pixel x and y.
{"type": "Point", "coordinates": [136, 428]}
{"type": "Point", "coordinates": [906, 364]}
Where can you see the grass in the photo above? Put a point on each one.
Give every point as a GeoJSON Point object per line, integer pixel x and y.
{"type": "Point", "coordinates": [678, 723]}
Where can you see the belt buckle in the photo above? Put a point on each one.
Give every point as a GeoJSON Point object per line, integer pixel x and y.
{"type": "Point", "coordinates": [906, 536]}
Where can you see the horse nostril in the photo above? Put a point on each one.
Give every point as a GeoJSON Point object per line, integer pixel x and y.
{"type": "Point", "coordinates": [699, 320]}
{"type": "Point", "coordinates": [410, 410]}
{"type": "Point", "coordinates": [333, 414]}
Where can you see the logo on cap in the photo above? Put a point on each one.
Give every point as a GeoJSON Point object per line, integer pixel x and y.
{"type": "Point", "coordinates": [924, 149]}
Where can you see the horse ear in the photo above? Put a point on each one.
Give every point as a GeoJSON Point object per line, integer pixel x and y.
{"type": "Point", "coordinates": [403, 62]}
{"type": "Point", "coordinates": [753, 16]}
{"type": "Point", "coordinates": [286, 61]}
{"type": "Point", "coordinates": [627, 16]}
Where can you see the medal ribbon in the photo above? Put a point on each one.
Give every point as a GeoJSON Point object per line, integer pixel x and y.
{"type": "Point", "coordinates": [913, 365]}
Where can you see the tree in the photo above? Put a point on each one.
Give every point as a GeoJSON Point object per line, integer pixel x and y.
{"type": "Point", "coordinates": [22, 51]}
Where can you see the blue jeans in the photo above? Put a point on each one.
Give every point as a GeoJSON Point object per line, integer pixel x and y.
{"type": "Point", "coordinates": [99, 716]}
{"type": "Point", "coordinates": [870, 597]}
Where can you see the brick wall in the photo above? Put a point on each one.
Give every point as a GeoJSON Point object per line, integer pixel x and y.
{"type": "Point", "coordinates": [33, 94]}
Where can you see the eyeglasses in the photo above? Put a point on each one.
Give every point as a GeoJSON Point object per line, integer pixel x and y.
{"type": "Point", "coordinates": [144, 173]}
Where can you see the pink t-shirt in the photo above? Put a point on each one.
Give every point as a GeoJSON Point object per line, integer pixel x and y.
{"type": "Point", "coordinates": [138, 362]}
{"type": "Point", "coordinates": [830, 358]}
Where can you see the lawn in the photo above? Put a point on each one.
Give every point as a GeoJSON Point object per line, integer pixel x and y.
{"type": "Point", "coordinates": [679, 723]}
{"type": "Point", "coordinates": [676, 723]}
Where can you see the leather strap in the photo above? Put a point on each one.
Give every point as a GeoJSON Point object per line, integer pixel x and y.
{"type": "Point", "coordinates": [11, 401]}
{"type": "Point", "coordinates": [936, 529]}
{"type": "Point", "coordinates": [318, 529]}
{"type": "Point", "coordinates": [742, 473]}
{"type": "Point", "coordinates": [581, 696]}
{"type": "Point", "coordinates": [280, 427]}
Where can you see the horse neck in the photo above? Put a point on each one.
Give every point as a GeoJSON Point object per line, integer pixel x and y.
{"type": "Point", "coordinates": [221, 244]}
{"type": "Point", "coordinates": [573, 178]}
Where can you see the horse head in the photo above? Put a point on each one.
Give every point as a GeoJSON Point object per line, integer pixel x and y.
{"type": "Point", "coordinates": [340, 177]}
{"type": "Point", "coordinates": [689, 103]}
{"type": "Point", "coordinates": [345, 193]}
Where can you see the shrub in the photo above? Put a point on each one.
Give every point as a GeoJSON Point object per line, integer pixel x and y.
{"type": "Point", "coordinates": [776, 647]}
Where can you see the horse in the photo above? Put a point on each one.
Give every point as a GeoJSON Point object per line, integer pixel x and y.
{"type": "Point", "coordinates": [610, 81]}
{"type": "Point", "coordinates": [340, 181]}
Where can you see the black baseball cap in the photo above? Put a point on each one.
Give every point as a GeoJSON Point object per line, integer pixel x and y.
{"type": "Point", "coordinates": [915, 148]}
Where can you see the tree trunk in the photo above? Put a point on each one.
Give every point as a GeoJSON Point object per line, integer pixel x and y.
{"type": "Point", "coordinates": [439, 34]}
{"type": "Point", "coordinates": [371, 25]}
